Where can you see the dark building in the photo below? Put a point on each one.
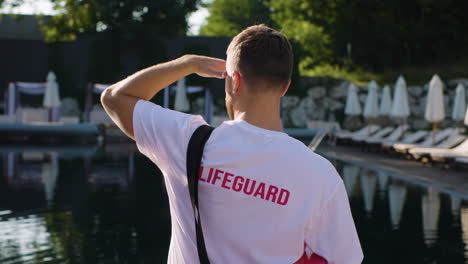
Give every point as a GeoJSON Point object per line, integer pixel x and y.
{"type": "Point", "coordinates": [96, 57]}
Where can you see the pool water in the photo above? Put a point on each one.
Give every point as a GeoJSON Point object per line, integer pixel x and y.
{"type": "Point", "coordinates": [108, 205]}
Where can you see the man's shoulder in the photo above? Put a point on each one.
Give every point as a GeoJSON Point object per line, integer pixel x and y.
{"type": "Point", "coordinates": [314, 166]}
{"type": "Point", "coordinates": [305, 153]}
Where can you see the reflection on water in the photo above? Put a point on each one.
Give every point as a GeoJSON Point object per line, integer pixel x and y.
{"type": "Point", "coordinates": [400, 222]}
{"type": "Point", "coordinates": [108, 205]}
{"type": "Point", "coordinates": [82, 205]}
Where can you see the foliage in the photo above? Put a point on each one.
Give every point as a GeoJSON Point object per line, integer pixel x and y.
{"type": "Point", "coordinates": [357, 76]}
{"type": "Point", "coordinates": [385, 34]}
{"type": "Point", "coordinates": [293, 18]}
{"type": "Point", "coordinates": [339, 36]}
{"type": "Point", "coordinates": [229, 17]}
{"type": "Point", "coordinates": [128, 17]}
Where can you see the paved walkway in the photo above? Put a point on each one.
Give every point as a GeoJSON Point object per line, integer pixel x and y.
{"type": "Point", "coordinates": [444, 180]}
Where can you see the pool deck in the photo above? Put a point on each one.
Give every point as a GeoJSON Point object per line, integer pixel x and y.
{"type": "Point", "coordinates": [451, 181]}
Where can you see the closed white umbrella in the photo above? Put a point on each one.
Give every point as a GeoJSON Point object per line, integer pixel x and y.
{"type": "Point", "coordinates": [386, 102]}
{"type": "Point", "coordinates": [430, 213]}
{"type": "Point", "coordinates": [368, 185]}
{"type": "Point", "coordinates": [383, 181]}
{"type": "Point", "coordinates": [49, 176]}
{"type": "Point", "coordinates": [51, 98]}
{"type": "Point", "coordinates": [371, 107]}
{"type": "Point", "coordinates": [352, 107]}
{"type": "Point", "coordinates": [435, 104]}
{"type": "Point", "coordinates": [466, 117]}
{"type": "Point", "coordinates": [455, 204]}
{"type": "Point", "coordinates": [350, 175]}
{"type": "Point", "coordinates": [459, 108]}
{"type": "Point", "coordinates": [400, 106]}
{"type": "Point", "coordinates": [464, 225]}
{"type": "Point", "coordinates": [181, 101]}
{"type": "Point", "coordinates": [397, 197]}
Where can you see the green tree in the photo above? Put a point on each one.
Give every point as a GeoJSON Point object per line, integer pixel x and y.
{"type": "Point", "coordinates": [127, 17]}
{"type": "Point", "coordinates": [10, 3]}
{"type": "Point", "coordinates": [294, 18]}
{"type": "Point", "coordinates": [229, 17]}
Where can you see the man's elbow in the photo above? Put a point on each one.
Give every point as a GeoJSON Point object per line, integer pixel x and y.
{"type": "Point", "coordinates": [106, 98]}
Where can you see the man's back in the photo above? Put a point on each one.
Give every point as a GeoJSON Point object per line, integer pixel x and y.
{"type": "Point", "coordinates": [264, 196]}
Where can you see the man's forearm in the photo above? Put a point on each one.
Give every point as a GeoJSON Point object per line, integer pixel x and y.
{"type": "Point", "coordinates": [120, 99]}
{"type": "Point", "coordinates": [148, 82]}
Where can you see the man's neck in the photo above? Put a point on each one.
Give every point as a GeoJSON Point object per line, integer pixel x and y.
{"type": "Point", "coordinates": [265, 115]}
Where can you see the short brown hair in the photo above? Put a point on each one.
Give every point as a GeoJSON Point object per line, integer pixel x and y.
{"type": "Point", "coordinates": [261, 53]}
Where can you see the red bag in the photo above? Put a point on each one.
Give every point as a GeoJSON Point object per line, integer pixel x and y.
{"type": "Point", "coordinates": [314, 259]}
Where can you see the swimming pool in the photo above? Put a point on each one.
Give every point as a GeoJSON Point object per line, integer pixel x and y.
{"type": "Point", "coordinates": [94, 205]}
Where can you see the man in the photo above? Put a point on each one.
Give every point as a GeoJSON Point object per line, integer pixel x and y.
{"type": "Point", "coordinates": [264, 196]}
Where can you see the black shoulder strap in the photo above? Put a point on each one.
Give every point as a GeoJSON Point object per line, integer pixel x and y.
{"type": "Point", "coordinates": [194, 156]}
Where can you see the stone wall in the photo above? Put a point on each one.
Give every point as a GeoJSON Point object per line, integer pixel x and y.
{"type": "Point", "coordinates": [325, 99]}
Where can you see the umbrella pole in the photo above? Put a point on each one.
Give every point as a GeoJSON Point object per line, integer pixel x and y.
{"type": "Point", "coordinates": [403, 121]}
{"type": "Point", "coordinates": [434, 129]}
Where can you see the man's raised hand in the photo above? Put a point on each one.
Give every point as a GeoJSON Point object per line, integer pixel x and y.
{"type": "Point", "coordinates": [208, 67]}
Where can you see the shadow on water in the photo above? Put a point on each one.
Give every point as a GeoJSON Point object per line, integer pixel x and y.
{"type": "Point", "coordinates": [109, 205]}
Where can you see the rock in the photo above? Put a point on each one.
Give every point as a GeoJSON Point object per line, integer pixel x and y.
{"type": "Point", "coordinates": [319, 114]}
{"type": "Point", "coordinates": [455, 82]}
{"type": "Point", "coordinates": [95, 107]}
{"type": "Point", "coordinates": [412, 100]}
{"type": "Point", "coordinates": [422, 102]}
{"type": "Point", "coordinates": [69, 107]}
{"type": "Point", "coordinates": [352, 123]}
{"type": "Point", "coordinates": [298, 117]}
{"type": "Point", "coordinates": [448, 106]}
{"type": "Point", "coordinates": [418, 123]}
{"type": "Point", "coordinates": [289, 101]}
{"type": "Point", "coordinates": [417, 110]}
{"type": "Point", "coordinates": [309, 106]}
{"type": "Point", "coordinates": [339, 91]}
{"type": "Point", "coordinates": [362, 99]}
{"type": "Point", "coordinates": [306, 109]}
{"type": "Point", "coordinates": [317, 92]}
{"type": "Point", "coordinates": [415, 90]}
{"type": "Point", "coordinates": [332, 104]}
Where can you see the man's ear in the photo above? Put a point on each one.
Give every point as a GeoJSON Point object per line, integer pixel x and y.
{"type": "Point", "coordinates": [286, 88]}
{"type": "Point", "coordinates": [236, 82]}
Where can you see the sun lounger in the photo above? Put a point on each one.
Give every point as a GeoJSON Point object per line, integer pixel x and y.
{"type": "Point", "coordinates": [409, 138]}
{"type": "Point", "coordinates": [443, 155]}
{"type": "Point", "coordinates": [462, 161]}
{"type": "Point", "coordinates": [427, 142]}
{"type": "Point", "coordinates": [378, 135]}
{"type": "Point", "coordinates": [363, 131]}
{"type": "Point", "coordinates": [452, 141]}
{"type": "Point", "coordinates": [394, 136]}
{"type": "Point", "coordinates": [375, 144]}
{"type": "Point", "coordinates": [344, 135]}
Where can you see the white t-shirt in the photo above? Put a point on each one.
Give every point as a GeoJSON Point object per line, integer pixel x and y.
{"type": "Point", "coordinates": [264, 196]}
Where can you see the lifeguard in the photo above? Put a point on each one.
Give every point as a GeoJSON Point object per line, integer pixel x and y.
{"type": "Point", "coordinates": [263, 196]}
